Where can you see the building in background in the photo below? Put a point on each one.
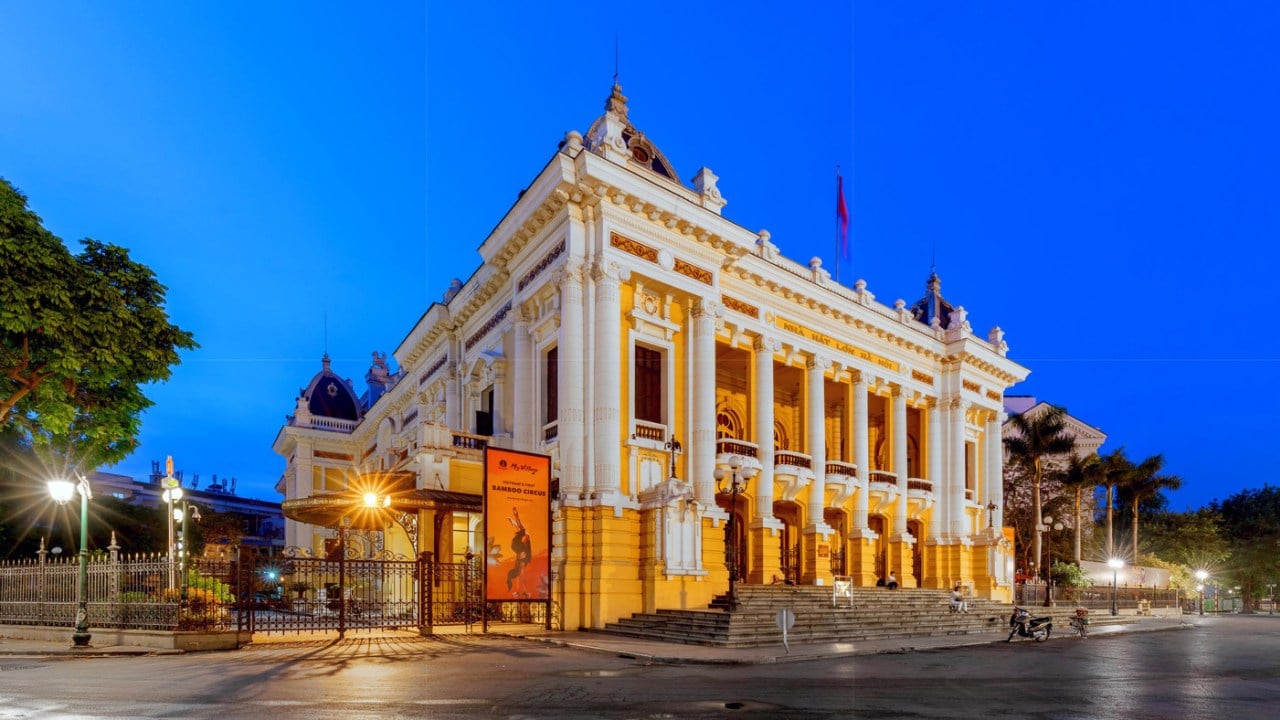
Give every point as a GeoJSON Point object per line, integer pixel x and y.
{"type": "Point", "coordinates": [263, 521]}
{"type": "Point", "coordinates": [656, 351]}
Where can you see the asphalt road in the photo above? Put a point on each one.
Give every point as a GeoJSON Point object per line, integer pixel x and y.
{"type": "Point", "coordinates": [1227, 667]}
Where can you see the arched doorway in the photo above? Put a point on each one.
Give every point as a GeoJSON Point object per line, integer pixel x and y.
{"type": "Point", "coordinates": [789, 539]}
{"type": "Point", "coordinates": [837, 520]}
{"type": "Point", "coordinates": [916, 528]}
{"type": "Point", "coordinates": [878, 523]}
{"type": "Point", "coordinates": [735, 535]}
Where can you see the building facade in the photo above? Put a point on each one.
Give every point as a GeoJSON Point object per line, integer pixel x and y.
{"type": "Point", "coordinates": [658, 353]}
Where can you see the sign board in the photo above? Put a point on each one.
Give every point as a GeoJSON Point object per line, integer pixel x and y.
{"type": "Point", "coordinates": [517, 525]}
{"type": "Point", "coordinates": [841, 588]}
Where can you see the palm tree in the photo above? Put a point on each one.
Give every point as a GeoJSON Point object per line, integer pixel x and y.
{"type": "Point", "coordinates": [1116, 471]}
{"type": "Point", "coordinates": [1082, 473]}
{"type": "Point", "coordinates": [1033, 441]}
{"type": "Point", "coordinates": [1145, 483]}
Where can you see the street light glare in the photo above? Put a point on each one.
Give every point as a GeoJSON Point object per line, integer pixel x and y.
{"type": "Point", "coordinates": [370, 499]}
{"type": "Point", "coordinates": [61, 490]}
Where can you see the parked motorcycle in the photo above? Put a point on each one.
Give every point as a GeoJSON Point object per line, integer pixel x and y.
{"type": "Point", "coordinates": [1026, 626]}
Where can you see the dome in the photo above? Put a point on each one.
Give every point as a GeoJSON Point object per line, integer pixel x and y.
{"type": "Point", "coordinates": [639, 149]}
{"type": "Point", "coordinates": [932, 305]}
{"type": "Point", "coordinates": [330, 396]}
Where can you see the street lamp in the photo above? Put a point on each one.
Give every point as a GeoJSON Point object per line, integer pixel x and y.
{"type": "Point", "coordinates": [62, 490]}
{"type": "Point", "coordinates": [1271, 591]}
{"type": "Point", "coordinates": [172, 494]}
{"type": "Point", "coordinates": [181, 516]}
{"type": "Point", "coordinates": [1045, 527]}
{"type": "Point", "coordinates": [1115, 564]}
{"type": "Point", "coordinates": [737, 478]}
{"type": "Point", "coordinates": [673, 446]}
{"type": "Point", "coordinates": [1201, 576]}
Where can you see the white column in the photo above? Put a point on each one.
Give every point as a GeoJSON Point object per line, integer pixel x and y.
{"type": "Point", "coordinates": [704, 314]}
{"type": "Point", "coordinates": [900, 459]}
{"type": "Point", "coordinates": [524, 418]}
{"type": "Point", "coordinates": [941, 524]}
{"type": "Point", "coordinates": [570, 350]}
{"type": "Point", "coordinates": [453, 396]}
{"type": "Point", "coordinates": [817, 398]}
{"type": "Point", "coordinates": [861, 452]}
{"type": "Point", "coordinates": [957, 468]}
{"type": "Point", "coordinates": [764, 350]}
{"type": "Point", "coordinates": [993, 469]}
{"type": "Point", "coordinates": [607, 376]}
{"type": "Point", "coordinates": [500, 397]}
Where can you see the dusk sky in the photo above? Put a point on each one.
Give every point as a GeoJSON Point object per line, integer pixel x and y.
{"type": "Point", "coordinates": [1098, 179]}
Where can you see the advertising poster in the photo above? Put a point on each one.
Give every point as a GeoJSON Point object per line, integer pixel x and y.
{"type": "Point", "coordinates": [517, 518]}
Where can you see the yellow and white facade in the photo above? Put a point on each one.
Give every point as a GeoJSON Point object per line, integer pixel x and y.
{"type": "Point", "coordinates": [617, 313]}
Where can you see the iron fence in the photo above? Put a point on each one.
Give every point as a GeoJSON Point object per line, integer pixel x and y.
{"type": "Point", "coordinates": [134, 592]}
{"type": "Point", "coordinates": [1098, 597]}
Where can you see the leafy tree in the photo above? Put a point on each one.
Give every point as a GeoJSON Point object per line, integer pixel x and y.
{"type": "Point", "coordinates": [1192, 539]}
{"type": "Point", "coordinates": [1251, 523]}
{"type": "Point", "coordinates": [79, 336]}
{"type": "Point", "coordinates": [1034, 440]}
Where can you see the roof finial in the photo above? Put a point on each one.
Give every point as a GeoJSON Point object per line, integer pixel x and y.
{"type": "Point", "coordinates": [615, 58]}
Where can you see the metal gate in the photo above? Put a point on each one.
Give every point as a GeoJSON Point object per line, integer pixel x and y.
{"type": "Point", "coordinates": [309, 595]}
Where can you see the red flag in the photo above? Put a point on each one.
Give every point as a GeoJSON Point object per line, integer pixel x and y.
{"type": "Point", "coordinates": [842, 217]}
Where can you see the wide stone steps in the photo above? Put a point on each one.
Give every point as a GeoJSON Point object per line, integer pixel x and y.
{"type": "Point", "coordinates": [878, 613]}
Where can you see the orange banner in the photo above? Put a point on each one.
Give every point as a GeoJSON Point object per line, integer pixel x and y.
{"type": "Point", "coordinates": [517, 520]}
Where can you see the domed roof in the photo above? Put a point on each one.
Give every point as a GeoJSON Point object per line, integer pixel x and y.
{"type": "Point", "coordinates": [330, 396]}
{"type": "Point", "coordinates": [638, 147]}
{"type": "Point", "coordinates": [932, 305]}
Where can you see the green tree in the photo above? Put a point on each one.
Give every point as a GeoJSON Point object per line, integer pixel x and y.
{"type": "Point", "coordinates": [1081, 473]}
{"type": "Point", "coordinates": [1034, 440]}
{"type": "Point", "coordinates": [1193, 538]}
{"type": "Point", "coordinates": [79, 336]}
{"type": "Point", "coordinates": [1144, 484]}
{"type": "Point", "coordinates": [1251, 523]}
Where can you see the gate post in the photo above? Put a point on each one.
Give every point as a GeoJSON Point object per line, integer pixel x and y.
{"type": "Point", "coordinates": [342, 577]}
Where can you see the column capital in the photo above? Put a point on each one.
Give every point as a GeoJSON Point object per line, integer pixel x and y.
{"type": "Point", "coordinates": [707, 307]}
{"type": "Point", "coordinates": [818, 362]}
{"type": "Point", "coordinates": [766, 344]}
{"type": "Point", "coordinates": [607, 270]}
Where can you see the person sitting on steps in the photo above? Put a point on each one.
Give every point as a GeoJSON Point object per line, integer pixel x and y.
{"type": "Point", "coordinates": [892, 584]}
{"type": "Point", "coordinates": [958, 604]}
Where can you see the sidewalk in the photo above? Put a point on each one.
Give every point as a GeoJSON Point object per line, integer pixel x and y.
{"type": "Point", "coordinates": [656, 652]}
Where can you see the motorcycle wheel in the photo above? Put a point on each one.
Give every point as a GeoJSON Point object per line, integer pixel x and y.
{"type": "Point", "coordinates": [1042, 635]}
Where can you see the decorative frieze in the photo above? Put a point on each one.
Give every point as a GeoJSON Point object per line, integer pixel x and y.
{"type": "Point", "coordinates": [424, 377]}
{"type": "Point", "coordinates": [325, 454]}
{"type": "Point", "coordinates": [638, 249]}
{"type": "Point", "coordinates": [543, 264]}
{"type": "Point", "coordinates": [993, 394]}
{"type": "Point", "coordinates": [693, 271]}
{"type": "Point", "coordinates": [498, 317]}
{"type": "Point", "coordinates": [971, 386]}
{"type": "Point", "coordinates": [737, 305]}
{"type": "Point", "coordinates": [918, 376]}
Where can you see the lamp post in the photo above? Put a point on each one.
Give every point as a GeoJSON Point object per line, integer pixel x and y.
{"type": "Point", "coordinates": [171, 495]}
{"type": "Point", "coordinates": [1201, 576]}
{"type": "Point", "coordinates": [991, 515]}
{"type": "Point", "coordinates": [62, 490]}
{"type": "Point", "coordinates": [1115, 564]}
{"type": "Point", "coordinates": [1271, 592]}
{"type": "Point", "coordinates": [1048, 525]}
{"type": "Point", "coordinates": [187, 511]}
{"type": "Point", "coordinates": [673, 446]}
{"type": "Point", "coordinates": [737, 478]}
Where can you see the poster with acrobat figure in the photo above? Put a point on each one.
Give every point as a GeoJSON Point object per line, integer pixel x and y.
{"type": "Point", "coordinates": [517, 519]}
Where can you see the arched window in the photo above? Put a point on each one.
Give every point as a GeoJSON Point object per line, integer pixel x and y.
{"type": "Point", "coordinates": [728, 424]}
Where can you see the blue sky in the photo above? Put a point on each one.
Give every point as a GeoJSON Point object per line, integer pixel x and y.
{"type": "Point", "coordinates": [1097, 179]}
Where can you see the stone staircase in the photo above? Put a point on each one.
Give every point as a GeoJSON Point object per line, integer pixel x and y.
{"type": "Point", "coordinates": [878, 613]}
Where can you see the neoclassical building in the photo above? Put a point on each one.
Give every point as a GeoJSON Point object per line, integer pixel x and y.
{"type": "Point", "coordinates": [619, 323]}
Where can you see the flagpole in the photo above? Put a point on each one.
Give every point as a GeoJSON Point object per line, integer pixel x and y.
{"type": "Point", "coordinates": [838, 248]}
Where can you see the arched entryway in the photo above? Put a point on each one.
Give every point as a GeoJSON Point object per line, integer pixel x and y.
{"type": "Point", "coordinates": [916, 528]}
{"type": "Point", "coordinates": [878, 523]}
{"type": "Point", "coordinates": [735, 534]}
{"type": "Point", "coordinates": [838, 521]}
{"type": "Point", "coordinates": [789, 539]}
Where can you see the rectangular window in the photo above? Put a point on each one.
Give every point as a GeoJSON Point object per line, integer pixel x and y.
{"type": "Point", "coordinates": [648, 385]}
{"type": "Point", "coordinates": [552, 387]}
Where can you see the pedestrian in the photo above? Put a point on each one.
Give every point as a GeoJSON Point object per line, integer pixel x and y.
{"type": "Point", "coordinates": [958, 603]}
{"type": "Point", "coordinates": [892, 584]}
